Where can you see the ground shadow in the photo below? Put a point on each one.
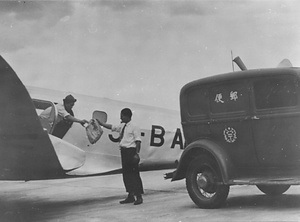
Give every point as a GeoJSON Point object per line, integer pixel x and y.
{"type": "Point", "coordinates": [28, 209]}
{"type": "Point", "coordinates": [284, 201]}
{"type": "Point", "coordinates": [264, 201]}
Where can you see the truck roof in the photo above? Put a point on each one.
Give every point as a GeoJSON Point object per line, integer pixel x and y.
{"type": "Point", "coordinates": [246, 74]}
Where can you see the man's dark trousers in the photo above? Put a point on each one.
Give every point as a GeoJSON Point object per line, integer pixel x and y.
{"type": "Point", "coordinates": [131, 173]}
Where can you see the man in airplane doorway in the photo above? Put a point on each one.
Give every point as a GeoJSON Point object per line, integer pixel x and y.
{"type": "Point", "coordinates": [130, 145]}
{"type": "Point", "coordinates": [65, 116]}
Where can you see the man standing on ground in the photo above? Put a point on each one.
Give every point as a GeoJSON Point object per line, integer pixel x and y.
{"type": "Point", "coordinates": [130, 145]}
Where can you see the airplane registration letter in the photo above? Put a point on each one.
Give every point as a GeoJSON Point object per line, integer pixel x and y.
{"type": "Point", "coordinates": [155, 135]}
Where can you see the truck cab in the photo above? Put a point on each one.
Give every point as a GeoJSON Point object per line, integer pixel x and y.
{"type": "Point", "coordinates": [241, 128]}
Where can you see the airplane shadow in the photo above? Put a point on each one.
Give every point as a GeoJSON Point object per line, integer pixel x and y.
{"type": "Point", "coordinates": [28, 209]}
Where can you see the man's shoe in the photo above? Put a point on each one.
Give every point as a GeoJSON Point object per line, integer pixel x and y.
{"type": "Point", "coordinates": [129, 199]}
{"type": "Point", "coordinates": [139, 200]}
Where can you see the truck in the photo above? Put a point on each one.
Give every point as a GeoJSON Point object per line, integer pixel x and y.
{"type": "Point", "coordinates": [240, 128]}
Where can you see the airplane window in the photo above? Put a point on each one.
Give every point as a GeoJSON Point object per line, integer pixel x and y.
{"type": "Point", "coordinates": [101, 115]}
{"type": "Point", "coordinates": [42, 105]}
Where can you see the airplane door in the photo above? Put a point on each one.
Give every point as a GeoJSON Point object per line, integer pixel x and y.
{"type": "Point", "coordinates": [276, 124]}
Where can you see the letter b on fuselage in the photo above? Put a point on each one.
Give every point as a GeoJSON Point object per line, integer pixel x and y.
{"type": "Point", "coordinates": [157, 136]}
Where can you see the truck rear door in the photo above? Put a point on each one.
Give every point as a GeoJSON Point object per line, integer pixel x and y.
{"type": "Point", "coordinates": [231, 123]}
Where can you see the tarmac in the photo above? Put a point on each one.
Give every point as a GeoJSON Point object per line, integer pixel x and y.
{"type": "Point", "coordinates": [97, 199]}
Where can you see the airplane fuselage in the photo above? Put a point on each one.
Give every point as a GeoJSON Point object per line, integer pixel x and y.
{"type": "Point", "coordinates": [162, 141]}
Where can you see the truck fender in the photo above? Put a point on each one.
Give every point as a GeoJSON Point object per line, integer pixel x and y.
{"type": "Point", "coordinates": [205, 146]}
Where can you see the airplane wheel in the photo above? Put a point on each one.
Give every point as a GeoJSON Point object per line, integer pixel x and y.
{"type": "Point", "coordinates": [273, 190]}
{"type": "Point", "coordinates": [203, 182]}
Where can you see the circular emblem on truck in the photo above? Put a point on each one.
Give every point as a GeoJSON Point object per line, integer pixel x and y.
{"type": "Point", "coordinates": [230, 135]}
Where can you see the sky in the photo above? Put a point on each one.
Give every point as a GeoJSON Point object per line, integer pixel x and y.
{"type": "Point", "coordinates": [143, 51]}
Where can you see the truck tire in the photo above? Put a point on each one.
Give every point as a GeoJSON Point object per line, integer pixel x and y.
{"type": "Point", "coordinates": [273, 190]}
{"type": "Point", "coordinates": [204, 183]}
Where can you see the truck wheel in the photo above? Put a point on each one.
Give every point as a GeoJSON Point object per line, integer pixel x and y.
{"type": "Point", "coordinates": [273, 190]}
{"type": "Point", "coordinates": [204, 183]}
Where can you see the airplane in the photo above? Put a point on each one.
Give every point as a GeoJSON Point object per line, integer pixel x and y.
{"type": "Point", "coordinates": [28, 151]}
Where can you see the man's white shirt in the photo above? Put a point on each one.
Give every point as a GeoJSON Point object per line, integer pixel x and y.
{"type": "Point", "coordinates": [130, 136]}
{"type": "Point", "coordinates": [62, 113]}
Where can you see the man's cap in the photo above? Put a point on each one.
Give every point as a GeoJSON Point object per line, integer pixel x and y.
{"type": "Point", "coordinates": [70, 99]}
